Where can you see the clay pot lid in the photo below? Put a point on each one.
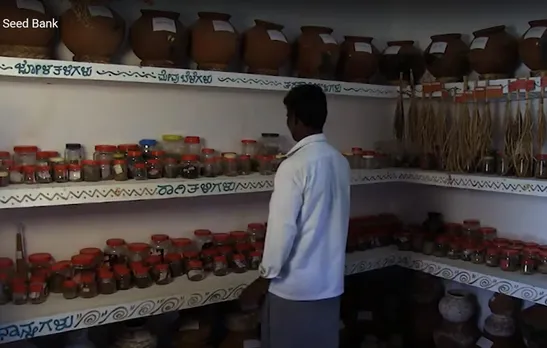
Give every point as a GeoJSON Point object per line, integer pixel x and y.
{"type": "Point", "coordinates": [268, 25]}
{"type": "Point", "coordinates": [538, 23]}
{"type": "Point", "coordinates": [401, 43]}
{"type": "Point", "coordinates": [367, 39]}
{"type": "Point", "coordinates": [449, 36]}
{"type": "Point", "coordinates": [316, 28]}
{"type": "Point", "coordinates": [215, 16]}
{"type": "Point", "coordinates": [487, 31]}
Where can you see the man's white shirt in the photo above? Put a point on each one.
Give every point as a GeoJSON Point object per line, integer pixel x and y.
{"type": "Point", "coordinates": [305, 245]}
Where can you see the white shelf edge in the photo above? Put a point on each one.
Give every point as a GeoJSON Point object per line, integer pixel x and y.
{"type": "Point", "coordinates": [76, 71]}
{"type": "Point", "coordinates": [41, 195]}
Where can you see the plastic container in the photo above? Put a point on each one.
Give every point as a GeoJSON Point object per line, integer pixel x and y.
{"type": "Point", "coordinates": [40, 262]}
{"type": "Point", "coordinates": [147, 146]}
{"type": "Point", "coordinates": [173, 145]}
{"type": "Point", "coordinates": [171, 168]}
{"type": "Point", "coordinates": [220, 267]}
{"type": "Point", "coordinates": [29, 174]}
{"type": "Point", "coordinates": [369, 160]}
{"type": "Point", "coordinates": [221, 239]}
{"type": "Point", "coordinates": [192, 145]}
{"type": "Point", "coordinates": [189, 166]}
{"type": "Point", "coordinates": [119, 167]}
{"type": "Point", "coordinates": [139, 171]}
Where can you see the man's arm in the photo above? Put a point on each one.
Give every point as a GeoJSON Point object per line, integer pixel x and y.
{"type": "Point", "coordinates": [285, 205]}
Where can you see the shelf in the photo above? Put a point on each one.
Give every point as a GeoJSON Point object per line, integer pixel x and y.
{"type": "Point", "coordinates": [58, 315]}
{"type": "Point", "coordinates": [24, 196]}
{"type": "Point", "coordinates": [54, 69]}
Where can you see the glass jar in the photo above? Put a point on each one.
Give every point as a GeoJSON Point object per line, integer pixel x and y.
{"type": "Point", "coordinates": [75, 172]}
{"type": "Point", "coordinates": [244, 249]}
{"type": "Point", "coordinates": [82, 264]}
{"type": "Point", "coordinates": [220, 267]}
{"type": "Point", "coordinates": [204, 239]}
{"type": "Point", "coordinates": [25, 155]}
{"type": "Point", "coordinates": [43, 174]}
{"type": "Point", "coordinates": [488, 233]}
{"type": "Point", "coordinates": [221, 239]}
{"type": "Point", "coordinates": [4, 156]}
{"type": "Point", "coordinates": [228, 252]}
{"type": "Point", "coordinates": [173, 145]}
{"type": "Point", "coordinates": [356, 160]}
{"type": "Point", "coordinates": [42, 158]}
{"type": "Point", "coordinates": [245, 165]}
{"type": "Point", "coordinates": [528, 266]}
{"type": "Point", "coordinates": [123, 149]}
{"type": "Point", "coordinates": [509, 260]}
{"type": "Point", "coordinates": [542, 264]}
{"type": "Point", "coordinates": [39, 262]}
{"type": "Point", "coordinates": [170, 168]}
{"type": "Point", "coordinates": [471, 229]}
{"type": "Point", "coordinates": [541, 167]}
{"type": "Point", "coordinates": [189, 166]}
{"type": "Point", "coordinates": [249, 147]}
{"type": "Point", "coordinates": [115, 252]}
{"type": "Point", "coordinates": [156, 155]}
{"type": "Point", "coordinates": [139, 171]}
{"type": "Point", "coordinates": [153, 260]}
{"type": "Point", "coordinates": [70, 289]}
{"type": "Point", "coordinates": [207, 153]}
{"type": "Point", "coordinates": [195, 271]}
{"type": "Point", "coordinates": [403, 241]}
{"type": "Point", "coordinates": [503, 165]}
{"type": "Point", "coordinates": [478, 256]}
{"type": "Point", "coordinates": [255, 260]}
{"type": "Point", "coordinates": [119, 168]}
{"type": "Point", "coordinates": [454, 250]}
{"type": "Point", "coordinates": [5, 289]}
{"type": "Point", "coordinates": [182, 245]}
{"type": "Point", "coordinates": [133, 158]}
{"type": "Point", "coordinates": [123, 277]}
{"type": "Point", "coordinates": [209, 168]}
{"type": "Point", "coordinates": [97, 254]}
{"type": "Point", "coordinates": [154, 169]}
{"type": "Point", "coordinates": [107, 282]}
{"type": "Point", "coordinates": [175, 264]}
{"type": "Point", "coordinates": [369, 160]}
{"type": "Point", "coordinates": [91, 170]}
{"type": "Point", "coordinates": [230, 165]}
{"type": "Point", "coordinates": [16, 174]}
{"type": "Point", "coordinates": [6, 266]}
{"type": "Point", "coordinates": [467, 251]}
{"type": "Point", "coordinates": [192, 145]}
{"type": "Point", "coordinates": [270, 144]}
{"type": "Point", "coordinates": [162, 274]}
{"type": "Point", "coordinates": [276, 161]}
{"type": "Point", "coordinates": [488, 165]}
{"type": "Point", "coordinates": [88, 286]}
{"type": "Point", "coordinates": [190, 256]}
{"type": "Point", "coordinates": [239, 237]}
{"type": "Point", "coordinates": [265, 165]}
{"type": "Point", "coordinates": [29, 174]}
{"type": "Point", "coordinates": [60, 173]}
{"type": "Point", "coordinates": [105, 168]}
{"type": "Point", "coordinates": [74, 153]}
{"type": "Point", "coordinates": [239, 263]}
{"type": "Point", "coordinates": [104, 152]}
{"type": "Point", "coordinates": [147, 146]}
{"type": "Point", "coordinates": [208, 259]}
{"type": "Point", "coordinates": [142, 278]}
{"type": "Point", "coordinates": [19, 293]}
{"type": "Point", "coordinates": [60, 272]}
{"type": "Point", "coordinates": [160, 244]}
{"type": "Point", "coordinates": [36, 293]}
{"type": "Point", "coordinates": [256, 232]}
{"type": "Point", "coordinates": [138, 252]}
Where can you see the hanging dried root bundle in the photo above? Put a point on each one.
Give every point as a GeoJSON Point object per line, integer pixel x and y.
{"type": "Point", "coordinates": [523, 155]}
{"type": "Point", "coordinates": [541, 125]}
{"type": "Point", "coordinates": [399, 120]}
{"type": "Point", "coordinates": [451, 147]}
{"type": "Point", "coordinates": [413, 129]}
{"type": "Point", "coordinates": [443, 124]}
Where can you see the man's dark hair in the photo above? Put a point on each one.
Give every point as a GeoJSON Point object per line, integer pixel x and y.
{"type": "Point", "coordinates": [308, 104]}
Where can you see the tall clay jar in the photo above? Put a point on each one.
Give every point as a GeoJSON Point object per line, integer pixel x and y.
{"type": "Point", "coordinates": [401, 57]}
{"type": "Point", "coordinates": [446, 57]}
{"type": "Point", "coordinates": [159, 39]}
{"type": "Point", "coordinates": [26, 42]}
{"type": "Point", "coordinates": [92, 33]}
{"type": "Point", "coordinates": [265, 48]}
{"type": "Point", "coordinates": [533, 47]}
{"type": "Point", "coordinates": [213, 41]}
{"type": "Point", "coordinates": [494, 53]}
{"type": "Point", "coordinates": [457, 306]}
{"type": "Point", "coordinates": [317, 53]}
{"type": "Point", "coordinates": [358, 59]}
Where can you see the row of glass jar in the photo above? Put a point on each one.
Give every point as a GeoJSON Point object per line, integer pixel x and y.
{"type": "Point", "coordinates": [359, 159]}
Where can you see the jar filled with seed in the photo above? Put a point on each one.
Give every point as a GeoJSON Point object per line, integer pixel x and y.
{"type": "Point", "coordinates": [123, 277]}
{"type": "Point", "coordinates": [36, 293]}
{"type": "Point", "coordinates": [91, 170]}
{"type": "Point", "coordinates": [107, 282]}
{"type": "Point", "coordinates": [133, 158]}
{"type": "Point", "coordinates": [75, 173]}
{"type": "Point", "coordinates": [96, 253]}
{"type": "Point", "coordinates": [115, 252]}
{"type": "Point", "coordinates": [208, 259]}
{"type": "Point", "coordinates": [142, 277]}
{"type": "Point", "coordinates": [195, 272]}
{"type": "Point", "coordinates": [239, 263]}
{"type": "Point", "coordinates": [492, 258]}
{"type": "Point", "coordinates": [265, 165]}
{"type": "Point", "coordinates": [154, 169]}
{"type": "Point", "coordinates": [204, 239]}
{"type": "Point", "coordinates": [29, 174]}
{"type": "Point", "coordinates": [255, 260]}
{"type": "Point", "coordinates": [245, 165]}
{"type": "Point", "coordinates": [170, 168]}
{"type": "Point", "coordinates": [528, 266]}
{"type": "Point", "coordinates": [138, 252]}
{"type": "Point", "coordinates": [16, 174]}
{"type": "Point", "coordinates": [19, 294]}
{"type": "Point", "coordinates": [105, 167]}
{"type": "Point", "coordinates": [230, 165]}
{"type": "Point", "coordinates": [160, 244]}
{"type": "Point", "coordinates": [182, 245]}
{"type": "Point", "coordinates": [139, 171]}
{"type": "Point", "coordinates": [4, 175]}
{"type": "Point", "coordinates": [276, 162]}
{"type": "Point", "coordinates": [220, 266]}
{"type": "Point", "coordinates": [479, 255]}
{"type": "Point", "coordinates": [189, 166]}
{"type": "Point", "coordinates": [60, 173]}
{"type": "Point", "coordinates": [43, 174]}
{"type": "Point", "coordinates": [454, 250]}
{"type": "Point", "coordinates": [162, 274]}
{"type": "Point", "coordinates": [509, 260]}
{"type": "Point", "coordinates": [60, 272]}
{"type": "Point", "coordinates": [119, 168]}
{"type": "Point", "coordinates": [175, 264]}
{"type": "Point", "coordinates": [70, 289]}
{"type": "Point", "coordinates": [209, 168]}
{"type": "Point", "coordinates": [88, 286]}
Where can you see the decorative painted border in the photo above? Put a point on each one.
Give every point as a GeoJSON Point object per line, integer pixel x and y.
{"type": "Point", "coordinates": [22, 196]}
{"type": "Point", "coordinates": [17, 67]}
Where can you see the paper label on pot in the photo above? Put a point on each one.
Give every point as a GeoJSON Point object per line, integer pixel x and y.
{"type": "Point", "coordinates": [102, 11]}
{"type": "Point", "coordinates": [251, 344]}
{"type": "Point", "coordinates": [484, 342]}
{"type": "Point", "coordinates": [392, 50]}
{"type": "Point", "coordinates": [276, 35]}
{"type": "Point", "coordinates": [33, 5]}
{"type": "Point", "coordinates": [438, 47]}
{"type": "Point", "coordinates": [223, 26]}
{"type": "Point", "coordinates": [364, 315]}
{"type": "Point", "coordinates": [362, 47]}
{"type": "Point", "coordinates": [479, 43]}
{"type": "Point", "coordinates": [164, 24]}
{"type": "Point", "coordinates": [189, 326]}
{"type": "Point", "coordinates": [535, 33]}
{"type": "Point", "coordinates": [328, 39]}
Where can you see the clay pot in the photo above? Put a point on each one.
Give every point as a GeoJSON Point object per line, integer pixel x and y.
{"type": "Point", "coordinates": [446, 57]}
{"type": "Point", "coordinates": [494, 53]}
{"type": "Point", "coordinates": [159, 39]}
{"type": "Point", "coordinates": [401, 57]}
{"type": "Point", "coordinates": [26, 42]}
{"type": "Point", "coordinates": [503, 304]}
{"type": "Point", "coordinates": [534, 326]}
{"type": "Point", "coordinates": [358, 59]}
{"type": "Point", "coordinates": [94, 36]}
{"type": "Point", "coordinates": [265, 48]}
{"type": "Point", "coordinates": [457, 306]}
{"type": "Point", "coordinates": [213, 41]}
{"type": "Point", "coordinates": [317, 53]}
{"type": "Point", "coordinates": [533, 47]}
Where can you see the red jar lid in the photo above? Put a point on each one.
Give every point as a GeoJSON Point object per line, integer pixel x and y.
{"type": "Point", "coordinates": [134, 153]}
{"type": "Point", "coordinates": [140, 270]}
{"type": "Point", "coordinates": [159, 238]}
{"type": "Point", "coordinates": [105, 148]}
{"type": "Point", "coordinates": [60, 167]}
{"type": "Point", "coordinates": [157, 153]}
{"type": "Point", "coordinates": [248, 141]}
{"type": "Point", "coordinates": [135, 264]}
{"type": "Point", "coordinates": [43, 155]}
{"type": "Point", "coordinates": [530, 250]}
{"type": "Point", "coordinates": [202, 233]}
{"type": "Point", "coordinates": [42, 167]}
{"type": "Point", "coordinates": [501, 240]}
{"type": "Point", "coordinates": [471, 222]}
{"type": "Point", "coordinates": [162, 267]}
{"type": "Point", "coordinates": [229, 159]}
{"type": "Point", "coordinates": [115, 242]}
{"type": "Point", "coordinates": [192, 140]}
{"type": "Point", "coordinates": [256, 253]}
{"type": "Point", "coordinates": [173, 257]}
{"type": "Point", "coordinates": [511, 251]}
{"type": "Point", "coordinates": [16, 168]}
{"type": "Point", "coordinates": [138, 247]}
{"type": "Point", "coordinates": [60, 265]}
{"type": "Point", "coordinates": [244, 157]}
{"type": "Point", "coordinates": [121, 269]}
{"type": "Point", "coordinates": [5, 262]}
{"type": "Point", "coordinates": [221, 237]}
{"type": "Point", "coordinates": [239, 257]}
{"type": "Point", "coordinates": [258, 245]}
{"type": "Point", "coordinates": [516, 242]}
{"type": "Point", "coordinates": [487, 230]}
{"type": "Point", "coordinates": [105, 274]}
{"type": "Point", "coordinates": [74, 166]}
{"type": "Point", "coordinates": [3, 277]}
{"type": "Point", "coordinates": [82, 259]}
{"type": "Point", "coordinates": [543, 247]}
{"type": "Point", "coordinates": [189, 158]}
{"type": "Point", "coordinates": [542, 156]}
{"type": "Point", "coordinates": [88, 277]}
{"type": "Point", "coordinates": [120, 161]}
{"type": "Point", "coordinates": [170, 160]}
{"type": "Point", "coordinates": [255, 226]}
{"type": "Point", "coordinates": [153, 260]}
{"type": "Point", "coordinates": [543, 253]}
{"type": "Point", "coordinates": [5, 154]}
{"type": "Point", "coordinates": [36, 287]}
{"type": "Point", "coordinates": [369, 153]}
{"type": "Point", "coordinates": [220, 258]}
{"type": "Point", "coordinates": [209, 252]}
{"type": "Point", "coordinates": [153, 161]}
{"type": "Point", "coordinates": [128, 147]}
{"type": "Point", "coordinates": [195, 264]}
{"type": "Point", "coordinates": [191, 254]}
{"type": "Point", "coordinates": [531, 245]}
{"type": "Point", "coordinates": [29, 169]}
{"type": "Point", "coordinates": [38, 278]}
{"type": "Point", "coordinates": [19, 287]}
{"type": "Point", "coordinates": [69, 284]}
{"type": "Point", "coordinates": [140, 165]}
{"type": "Point", "coordinates": [492, 251]}
{"type": "Point", "coordinates": [243, 247]}
{"type": "Point", "coordinates": [239, 234]}
{"type": "Point", "coordinates": [225, 249]}
{"type": "Point", "coordinates": [207, 150]}
{"type": "Point", "coordinates": [40, 258]}
{"type": "Point", "coordinates": [89, 162]}
{"type": "Point", "coordinates": [182, 242]}
{"type": "Point", "coordinates": [25, 149]}
{"type": "Point", "coordinates": [91, 251]}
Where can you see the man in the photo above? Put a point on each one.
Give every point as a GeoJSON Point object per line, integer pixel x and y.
{"type": "Point", "coordinates": [303, 266]}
